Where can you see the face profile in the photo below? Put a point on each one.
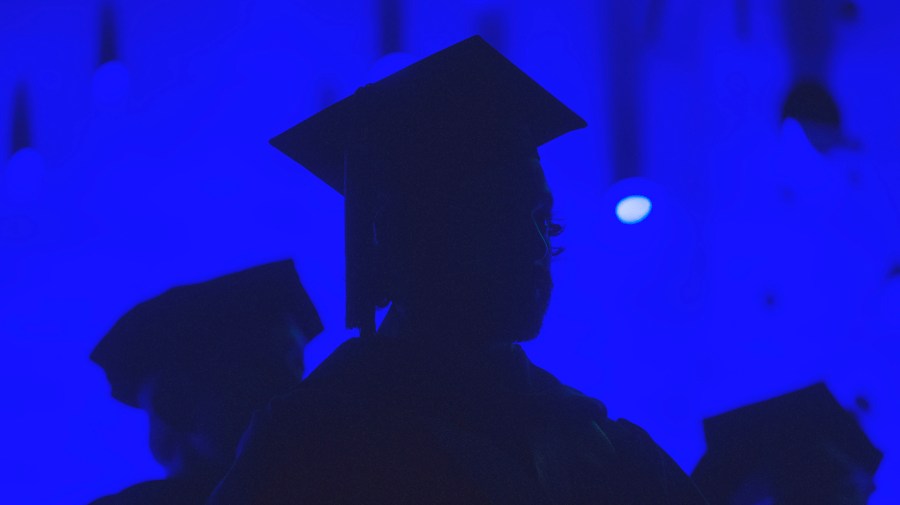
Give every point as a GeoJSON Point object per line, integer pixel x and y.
{"type": "Point", "coordinates": [514, 251]}
{"type": "Point", "coordinates": [476, 261]}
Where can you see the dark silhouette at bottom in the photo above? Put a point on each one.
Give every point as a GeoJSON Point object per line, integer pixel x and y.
{"type": "Point", "coordinates": [801, 448]}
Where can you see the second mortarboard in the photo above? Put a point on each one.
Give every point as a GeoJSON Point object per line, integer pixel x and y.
{"type": "Point", "coordinates": [788, 438]}
{"type": "Point", "coordinates": [233, 331]}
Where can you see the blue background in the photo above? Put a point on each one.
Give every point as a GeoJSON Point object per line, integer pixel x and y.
{"type": "Point", "coordinates": [764, 266]}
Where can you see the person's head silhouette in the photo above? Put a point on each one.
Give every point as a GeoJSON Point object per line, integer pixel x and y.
{"type": "Point", "coordinates": [200, 358]}
{"type": "Point", "coordinates": [448, 212]}
{"type": "Point", "coordinates": [448, 217]}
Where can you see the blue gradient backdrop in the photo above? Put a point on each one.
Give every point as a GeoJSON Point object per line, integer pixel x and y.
{"type": "Point", "coordinates": [765, 265]}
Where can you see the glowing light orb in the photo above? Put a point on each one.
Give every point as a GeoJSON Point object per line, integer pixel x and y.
{"type": "Point", "coordinates": [633, 209]}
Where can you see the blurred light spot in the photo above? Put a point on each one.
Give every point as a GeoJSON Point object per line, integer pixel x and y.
{"type": "Point", "coordinates": [387, 65]}
{"type": "Point", "coordinates": [111, 82]}
{"type": "Point", "coordinates": [633, 209]}
{"type": "Point", "coordinates": [23, 177]}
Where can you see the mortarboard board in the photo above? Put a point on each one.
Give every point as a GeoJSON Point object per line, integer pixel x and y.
{"type": "Point", "coordinates": [467, 100]}
{"type": "Point", "coordinates": [742, 442]}
{"type": "Point", "coordinates": [232, 332]}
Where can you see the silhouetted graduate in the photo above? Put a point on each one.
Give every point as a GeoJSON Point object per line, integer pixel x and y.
{"type": "Point", "coordinates": [801, 448]}
{"type": "Point", "coordinates": [199, 359]}
{"type": "Point", "coordinates": [448, 218]}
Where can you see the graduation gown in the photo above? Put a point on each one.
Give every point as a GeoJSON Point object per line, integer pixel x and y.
{"type": "Point", "coordinates": [388, 421]}
{"type": "Point", "coordinates": [175, 491]}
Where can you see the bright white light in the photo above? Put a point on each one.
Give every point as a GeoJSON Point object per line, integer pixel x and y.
{"type": "Point", "coordinates": [633, 209]}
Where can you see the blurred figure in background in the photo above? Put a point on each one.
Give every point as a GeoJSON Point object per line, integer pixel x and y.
{"type": "Point", "coordinates": [801, 448]}
{"type": "Point", "coordinates": [199, 359]}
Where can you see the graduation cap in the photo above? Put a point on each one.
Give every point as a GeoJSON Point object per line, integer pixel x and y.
{"type": "Point", "coordinates": [392, 139]}
{"type": "Point", "coordinates": [232, 334]}
{"type": "Point", "coordinates": [807, 426]}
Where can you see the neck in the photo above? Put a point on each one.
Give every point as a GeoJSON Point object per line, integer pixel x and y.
{"type": "Point", "coordinates": [458, 333]}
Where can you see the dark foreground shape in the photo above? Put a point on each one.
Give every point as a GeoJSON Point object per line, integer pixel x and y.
{"type": "Point", "coordinates": [796, 449]}
{"type": "Point", "coordinates": [199, 359]}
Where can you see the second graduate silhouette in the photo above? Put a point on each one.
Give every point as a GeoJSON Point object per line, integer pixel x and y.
{"type": "Point", "coordinates": [199, 359]}
{"type": "Point", "coordinates": [449, 218]}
